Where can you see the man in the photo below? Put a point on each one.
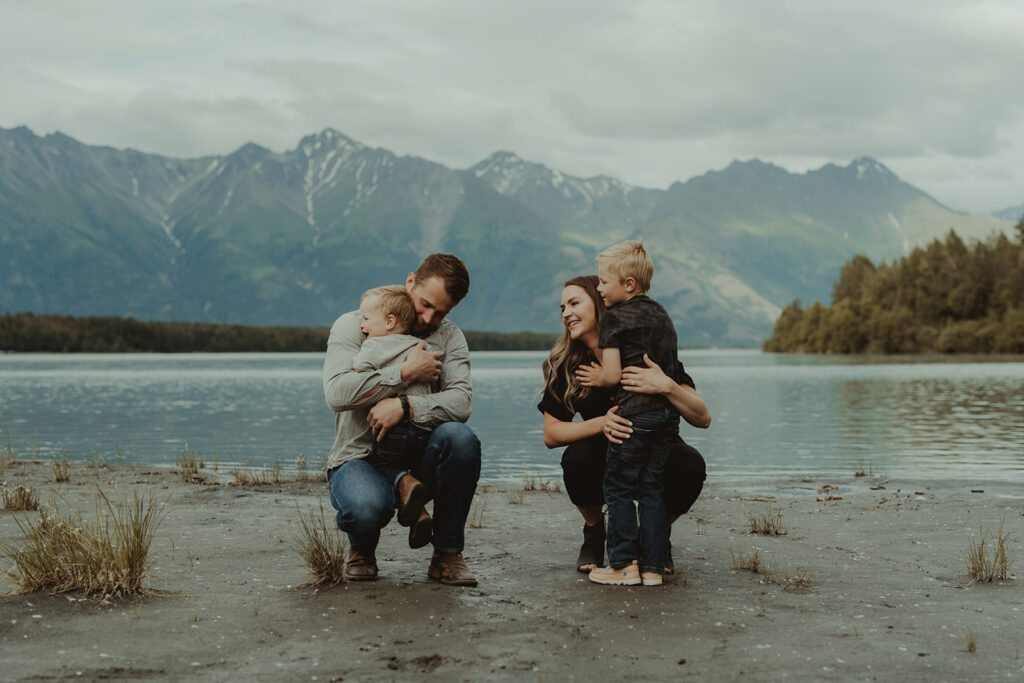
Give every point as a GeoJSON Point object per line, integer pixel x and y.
{"type": "Point", "coordinates": [446, 469]}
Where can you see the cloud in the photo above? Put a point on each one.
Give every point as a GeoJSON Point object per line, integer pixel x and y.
{"type": "Point", "coordinates": [651, 92]}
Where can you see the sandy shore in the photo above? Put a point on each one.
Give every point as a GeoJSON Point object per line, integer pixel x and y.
{"type": "Point", "coordinates": [888, 598]}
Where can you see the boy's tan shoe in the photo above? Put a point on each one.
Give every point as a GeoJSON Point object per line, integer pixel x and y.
{"type": "Point", "coordinates": [451, 569]}
{"type": "Point", "coordinates": [627, 576]}
{"type": "Point", "coordinates": [360, 566]}
{"type": "Point", "coordinates": [422, 530]}
{"type": "Point", "coordinates": [651, 578]}
{"type": "Point", "coordinates": [412, 494]}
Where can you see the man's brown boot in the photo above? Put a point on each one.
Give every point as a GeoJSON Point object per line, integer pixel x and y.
{"type": "Point", "coordinates": [422, 530]}
{"type": "Point", "coordinates": [360, 567]}
{"type": "Point", "coordinates": [412, 495]}
{"type": "Point", "coordinates": [451, 569]}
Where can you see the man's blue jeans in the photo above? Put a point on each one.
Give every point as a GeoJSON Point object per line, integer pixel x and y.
{"type": "Point", "coordinates": [364, 493]}
{"type": "Point", "coordinates": [634, 469]}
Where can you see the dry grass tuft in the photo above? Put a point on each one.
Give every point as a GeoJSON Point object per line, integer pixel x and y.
{"type": "Point", "coordinates": [767, 524]}
{"type": "Point", "coordinates": [515, 498]}
{"type": "Point", "coordinates": [264, 476]}
{"type": "Point", "coordinates": [862, 472]}
{"type": "Point", "coordinates": [702, 526]}
{"type": "Point", "coordinates": [20, 498]}
{"type": "Point", "coordinates": [532, 482]}
{"type": "Point", "coordinates": [476, 514]}
{"type": "Point", "coordinates": [189, 463]}
{"type": "Point", "coordinates": [108, 557]}
{"type": "Point", "coordinates": [749, 562]}
{"type": "Point", "coordinates": [61, 469]}
{"type": "Point", "coordinates": [322, 548]}
{"type": "Point", "coordinates": [971, 643]}
{"type": "Point", "coordinates": [304, 474]}
{"type": "Point", "coordinates": [984, 566]}
{"type": "Point", "coordinates": [771, 572]}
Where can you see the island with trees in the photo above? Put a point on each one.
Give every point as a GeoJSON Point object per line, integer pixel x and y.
{"type": "Point", "coordinates": [947, 297]}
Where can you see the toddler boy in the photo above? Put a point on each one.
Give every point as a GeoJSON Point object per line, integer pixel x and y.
{"type": "Point", "coordinates": [386, 315]}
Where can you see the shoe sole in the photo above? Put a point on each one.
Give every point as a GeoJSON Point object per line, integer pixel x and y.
{"type": "Point", "coordinates": [358, 577]}
{"type": "Point", "coordinates": [410, 511]}
{"type": "Point", "coordinates": [652, 582]}
{"type": "Point", "coordinates": [435, 574]}
{"type": "Point", "coordinates": [616, 582]}
{"type": "Point", "coordinates": [421, 533]}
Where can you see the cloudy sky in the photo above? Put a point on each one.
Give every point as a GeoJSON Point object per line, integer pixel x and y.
{"type": "Point", "coordinates": [647, 91]}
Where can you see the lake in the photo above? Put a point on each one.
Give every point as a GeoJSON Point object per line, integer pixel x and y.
{"type": "Point", "coordinates": [772, 414]}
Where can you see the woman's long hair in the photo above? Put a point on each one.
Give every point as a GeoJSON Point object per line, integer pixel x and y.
{"type": "Point", "coordinates": [568, 353]}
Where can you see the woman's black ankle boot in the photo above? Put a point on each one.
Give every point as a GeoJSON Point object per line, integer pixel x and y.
{"type": "Point", "coordinates": [592, 550]}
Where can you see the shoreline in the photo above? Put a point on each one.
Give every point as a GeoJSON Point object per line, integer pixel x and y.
{"type": "Point", "coordinates": [883, 593]}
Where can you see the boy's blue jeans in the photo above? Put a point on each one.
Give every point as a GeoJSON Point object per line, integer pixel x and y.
{"type": "Point", "coordinates": [447, 462]}
{"type": "Point", "coordinates": [634, 470]}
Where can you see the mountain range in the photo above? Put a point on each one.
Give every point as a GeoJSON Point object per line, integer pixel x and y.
{"type": "Point", "coordinates": [293, 238]}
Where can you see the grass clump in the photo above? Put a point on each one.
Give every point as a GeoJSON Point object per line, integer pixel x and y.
{"type": "Point", "coordinates": [60, 468]}
{"type": "Point", "coordinates": [108, 557]}
{"type": "Point", "coordinates": [771, 572]}
{"type": "Point", "coordinates": [476, 515]}
{"type": "Point", "coordinates": [515, 498]}
{"type": "Point", "coordinates": [767, 524]}
{"type": "Point", "coordinates": [321, 547]}
{"type": "Point", "coordinates": [970, 642]}
{"type": "Point", "coordinates": [536, 483]}
{"type": "Point", "coordinates": [302, 473]}
{"type": "Point", "coordinates": [264, 476]}
{"type": "Point", "coordinates": [987, 557]}
{"type": "Point", "coordinates": [189, 463]}
{"type": "Point", "coordinates": [20, 498]}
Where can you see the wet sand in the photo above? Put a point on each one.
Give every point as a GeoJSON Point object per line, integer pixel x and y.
{"type": "Point", "coordinates": [888, 596]}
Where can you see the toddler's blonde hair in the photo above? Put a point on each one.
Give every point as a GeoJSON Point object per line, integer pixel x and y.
{"type": "Point", "coordinates": [394, 300]}
{"type": "Point", "coordinates": [627, 259]}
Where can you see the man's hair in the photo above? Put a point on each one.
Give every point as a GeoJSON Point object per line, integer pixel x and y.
{"type": "Point", "coordinates": [627, 259]}
{"type": "Point", "coordinates": [452, 272]}
{"type": "Point", "coordinates": [394, 300]}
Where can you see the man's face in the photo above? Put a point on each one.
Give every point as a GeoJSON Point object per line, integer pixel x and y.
{"type": "Point", "coordinates": [431, 301]}
{"type": "Point", "coordinates": [372, 320]}
{"type": "Point", "coordinates": [612, 290]}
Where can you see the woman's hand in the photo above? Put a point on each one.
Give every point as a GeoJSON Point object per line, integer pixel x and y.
{"type": "Point", "coordinates": [616, 428]}
{"type": "Point", "coordinates": [589, 375]}
{"type": "Point", "coordinates": [649, 380]}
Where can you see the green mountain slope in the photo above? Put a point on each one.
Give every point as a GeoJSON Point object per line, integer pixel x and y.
{"type": "Point", "coordinates": [293, 238]}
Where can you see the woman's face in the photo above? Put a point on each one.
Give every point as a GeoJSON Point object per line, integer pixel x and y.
{"type": "Point", "coordinates": [578, 314]}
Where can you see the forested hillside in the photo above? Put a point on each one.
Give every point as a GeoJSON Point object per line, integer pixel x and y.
{"type": "Point", "coordinates": [27, 332]}
{"type": "Point", "coordinates": [948, 297]}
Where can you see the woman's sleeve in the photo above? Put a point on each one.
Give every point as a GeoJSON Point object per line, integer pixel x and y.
{"type": "Point", "coordinates": [554, 407]}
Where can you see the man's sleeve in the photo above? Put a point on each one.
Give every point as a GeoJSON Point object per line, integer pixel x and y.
{"type": "Point", "coordinates": [454, 401]}
{"type": "Point", "coordinates": [345, 389]}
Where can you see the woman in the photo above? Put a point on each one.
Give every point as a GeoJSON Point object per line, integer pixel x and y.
{"type": "Point", "coordinates": [569, 389]}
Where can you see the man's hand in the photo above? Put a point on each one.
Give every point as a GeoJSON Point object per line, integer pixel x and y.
{"type": "Point", "coordinates": [589, 375]}
{"type": "Point", "coordinates": [420, 365]}
{"type": "Point", "coordinates": [383, 416]}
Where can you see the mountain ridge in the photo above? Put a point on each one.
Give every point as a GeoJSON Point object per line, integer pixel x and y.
{"type": "Point", "coordinates": [263, 237]}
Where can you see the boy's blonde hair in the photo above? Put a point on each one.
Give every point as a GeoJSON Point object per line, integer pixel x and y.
{"type": "Point", "coordinates": [627, 259]}
{"type": "Point", "coordinates": [395, 300]}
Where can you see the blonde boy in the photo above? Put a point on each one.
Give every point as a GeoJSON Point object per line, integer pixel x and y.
{"type": "Point", "coordinates": [634, 326]}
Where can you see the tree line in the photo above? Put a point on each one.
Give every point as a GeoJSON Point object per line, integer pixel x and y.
{"type": "Point", "coordinates": [947, 297]}
{"type": "Point", "coordinates": [29, 332]}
